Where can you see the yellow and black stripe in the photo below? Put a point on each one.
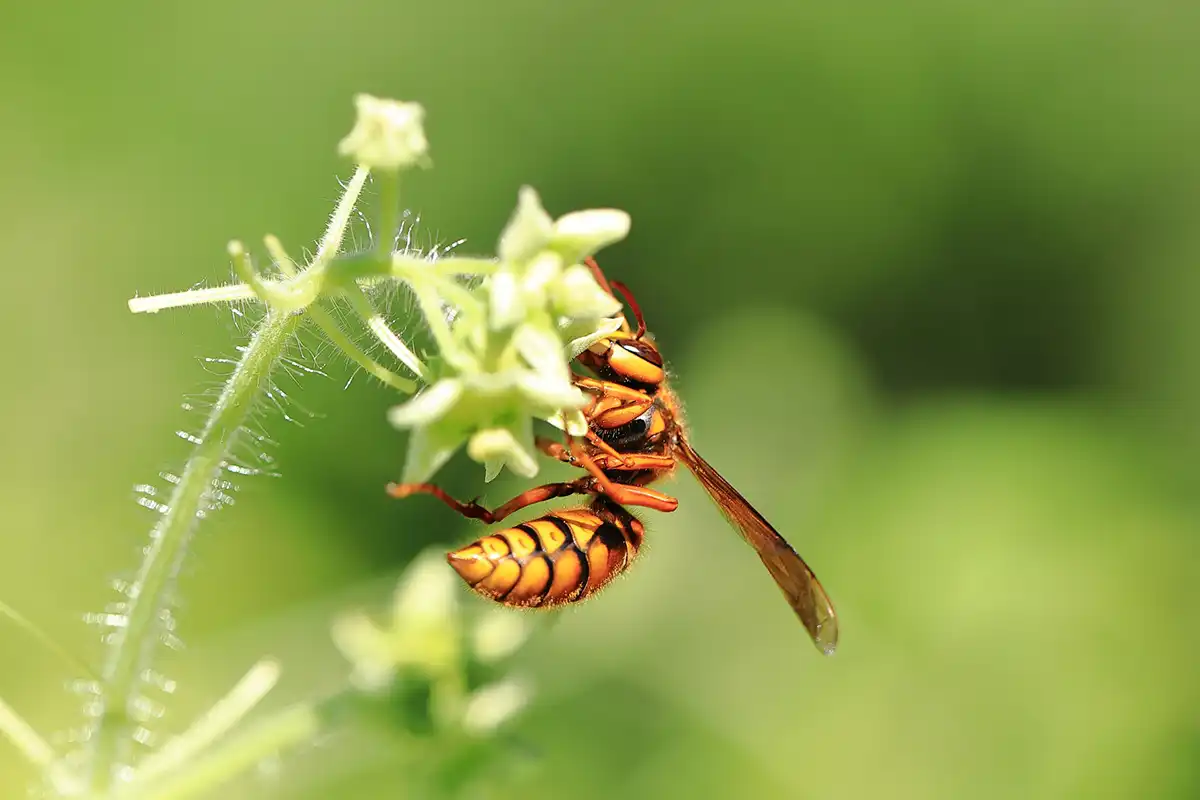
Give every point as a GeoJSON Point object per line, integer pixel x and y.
{"type": "Point", "coordinates": [563, 557]}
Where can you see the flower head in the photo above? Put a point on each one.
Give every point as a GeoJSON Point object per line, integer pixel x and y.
{"type": "Point", "coordinates": [387, 134]}
{"type": "Point", "coordinates": [538, 308]}
{"type": "Point", "coordinates": [540, 269]}
{"type": "Point", "coordinates": [423, 631]}
{"type": "Point", "coordinates": [428, 641]}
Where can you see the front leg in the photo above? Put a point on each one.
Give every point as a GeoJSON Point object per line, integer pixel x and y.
{"type": "Point", "coordinates": [554, 449]}
{"type": "Point", "coordinates": [622, 462]}
{"type": "Point", "coordinates": [598, 483]}
{"type": "Point", "coordinates": [608, 458]}
{"type": "Point", "coordinates": [622, 493]}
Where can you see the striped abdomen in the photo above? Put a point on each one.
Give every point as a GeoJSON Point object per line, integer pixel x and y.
{"type": "Point", "coordinates": [560, 558]}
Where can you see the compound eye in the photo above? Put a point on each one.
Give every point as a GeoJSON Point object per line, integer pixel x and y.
{"type": "Point", "coordinates": [631, 434]}
{"type": "Point", "coordinates": [643, 349]}
{"type": "Point", "coordinates": [637, 361]}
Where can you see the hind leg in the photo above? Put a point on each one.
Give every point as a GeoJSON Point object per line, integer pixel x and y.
{"type": "Point", "coordinates": [473, 510]}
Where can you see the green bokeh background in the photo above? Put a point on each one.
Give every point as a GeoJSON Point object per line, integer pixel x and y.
{"type": "Point", "coordinates": [927, 273]}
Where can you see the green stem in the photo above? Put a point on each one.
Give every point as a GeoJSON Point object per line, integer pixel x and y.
{"type": "Point", "coordinates": [335, 232]}
{"type": "Point", "coordinates": [389, 210]}
{"type": "Point", "coordinates": [462, 265]}
{"type": "Point", "coordinates": [133, 643]}
{"type": "Point", "coordinates": [46, 641]}
{"type": "Point", "coordinates": [430, 305]}
{"type": "Point", "coordinates": [214, 724]}
{"type": "Point", "coordinates": [192, 297]}
{"type": "Point", "coordinates": [293, 726]}
{"type": "Point", "coordinates": [334, 333]}
{"type": "Point", "coordinates": [14, 728]}
{"type": "Point", "coordinates": [378, 326]}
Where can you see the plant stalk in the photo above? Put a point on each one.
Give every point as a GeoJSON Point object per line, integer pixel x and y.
{"type": "Point", "coordinates": [292, 726]}
{"type": "Point", "coordinates": [132, 643]}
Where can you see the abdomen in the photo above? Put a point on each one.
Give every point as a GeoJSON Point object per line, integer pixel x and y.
{"type": "Point", "coordinates": [563, 557]}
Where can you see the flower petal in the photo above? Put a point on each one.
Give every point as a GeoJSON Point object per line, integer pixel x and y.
{"type": "Point", "coordinates": [491, 706]}
{"type": "Point", "coordinates": [430, 404]}
{"type": "Point", "coordinates": [427, 594]}
{"type": "Point", "coordinates": [583, 341]}
{"type": "Point", "coordinates": [542, 350]}
{"type": "Point", "coordinates": [570, 420]}
{"type": "Point", "coordinates": [577, 296]}
{"type": "Point", "coordinates": [429, 448]}
{"type": "Point", "coordinates": [506, 307]}
{"type": "Point", "coordinates": [498, 635]}
{"type": "Point", "coordinates": [581, 233]}
{"type": "Point", "coordinates": [503, 447]}
{"type": "Point", "coordinates": [528, 231]}
{"type": "Point", "coordinates": [548, 392]}
{"type": "Point", "coordinates": [367, 648]}
{"type": "Point", "coordinates": [540, 274]}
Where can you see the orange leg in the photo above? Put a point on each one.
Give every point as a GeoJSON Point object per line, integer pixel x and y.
{"type": "Point", "coordinates": [554, 449]}
{"type": "Point", "coordinates": [634, 463]}
{"type": "Point", "coordinates": [640, 496]}
{"type": "Point", "coordinates": [621, 493]}
{"type": "Point", "coordinates": [604, 447]}
{"type": "Point", "coordinates": [473, 510]}
{"type": "Point", "coordinates": [609, 389]}
{"type": "Point", "coordinates": [629, 462]}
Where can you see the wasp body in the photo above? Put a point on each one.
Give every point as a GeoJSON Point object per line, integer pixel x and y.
{"type": "Point", "coordinates": [635, 437]}
{"type": "Point", "coordinates": [559, 558]}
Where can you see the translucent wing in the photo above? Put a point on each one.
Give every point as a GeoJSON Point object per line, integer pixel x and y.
{"type": "Point", "coordinates": [799, 584]}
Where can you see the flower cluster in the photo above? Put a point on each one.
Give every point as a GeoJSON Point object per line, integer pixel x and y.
{"type": "Point", "coordinates": [430, 639]}
{"type": "Point", "coordinates": [507, 361]}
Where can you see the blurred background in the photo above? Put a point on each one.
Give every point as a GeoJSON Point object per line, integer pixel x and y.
{"type": "Point", "coordinates": [927, 275]}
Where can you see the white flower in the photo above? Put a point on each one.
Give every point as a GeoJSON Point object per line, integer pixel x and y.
{"type": "Point", "coordinates": [422, 631]}
{"type": "Point", "coordinates": [387, 134]}
{"type": "Point", "coordinates": [491, 412]}
{"type": "Point", "coordinates": [580, 341]}
{"type": "Point", "coordinates": [512, 447]}
{"type": "Point", "coordinates": [428, 404]}
{"type": "Point", "coordinates": [529, 230]}
{"type": "Point", "coordinates": [543, 353]}
{"type": "Point", "coordinates": [573, 237]}
{"type": "Point", "coordinates": [493, 705]}
{"type": "Point", "coordinates": [498, 635]}
{"type": "Point", "coordinates": [506, 306]}
{"type": "Point", "coordinates": [581, 233]}
{"type": "Point", "coordinates": [577, 296]}
{"type": "Point", "coordinates": [511, 354]}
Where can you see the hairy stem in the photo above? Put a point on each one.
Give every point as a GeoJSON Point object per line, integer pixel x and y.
{"type": "Point", "coordinates": [379, 326]}
{"type": "Point", "coordinates": [335, 231]}
{"type": "Point", "coordinates": [430, 306]}
{"type": "Point", "coordinates": [132, 643]}
{"type": "Point", "coordinates": [192, 297]}
{"type": "Point", "coordinates": [389, 210]}
{"type": "Point", "coordinates": [330, 328]}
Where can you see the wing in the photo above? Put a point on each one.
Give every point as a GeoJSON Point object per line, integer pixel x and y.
{"type": "Point", "coordinates": [799, 584]}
